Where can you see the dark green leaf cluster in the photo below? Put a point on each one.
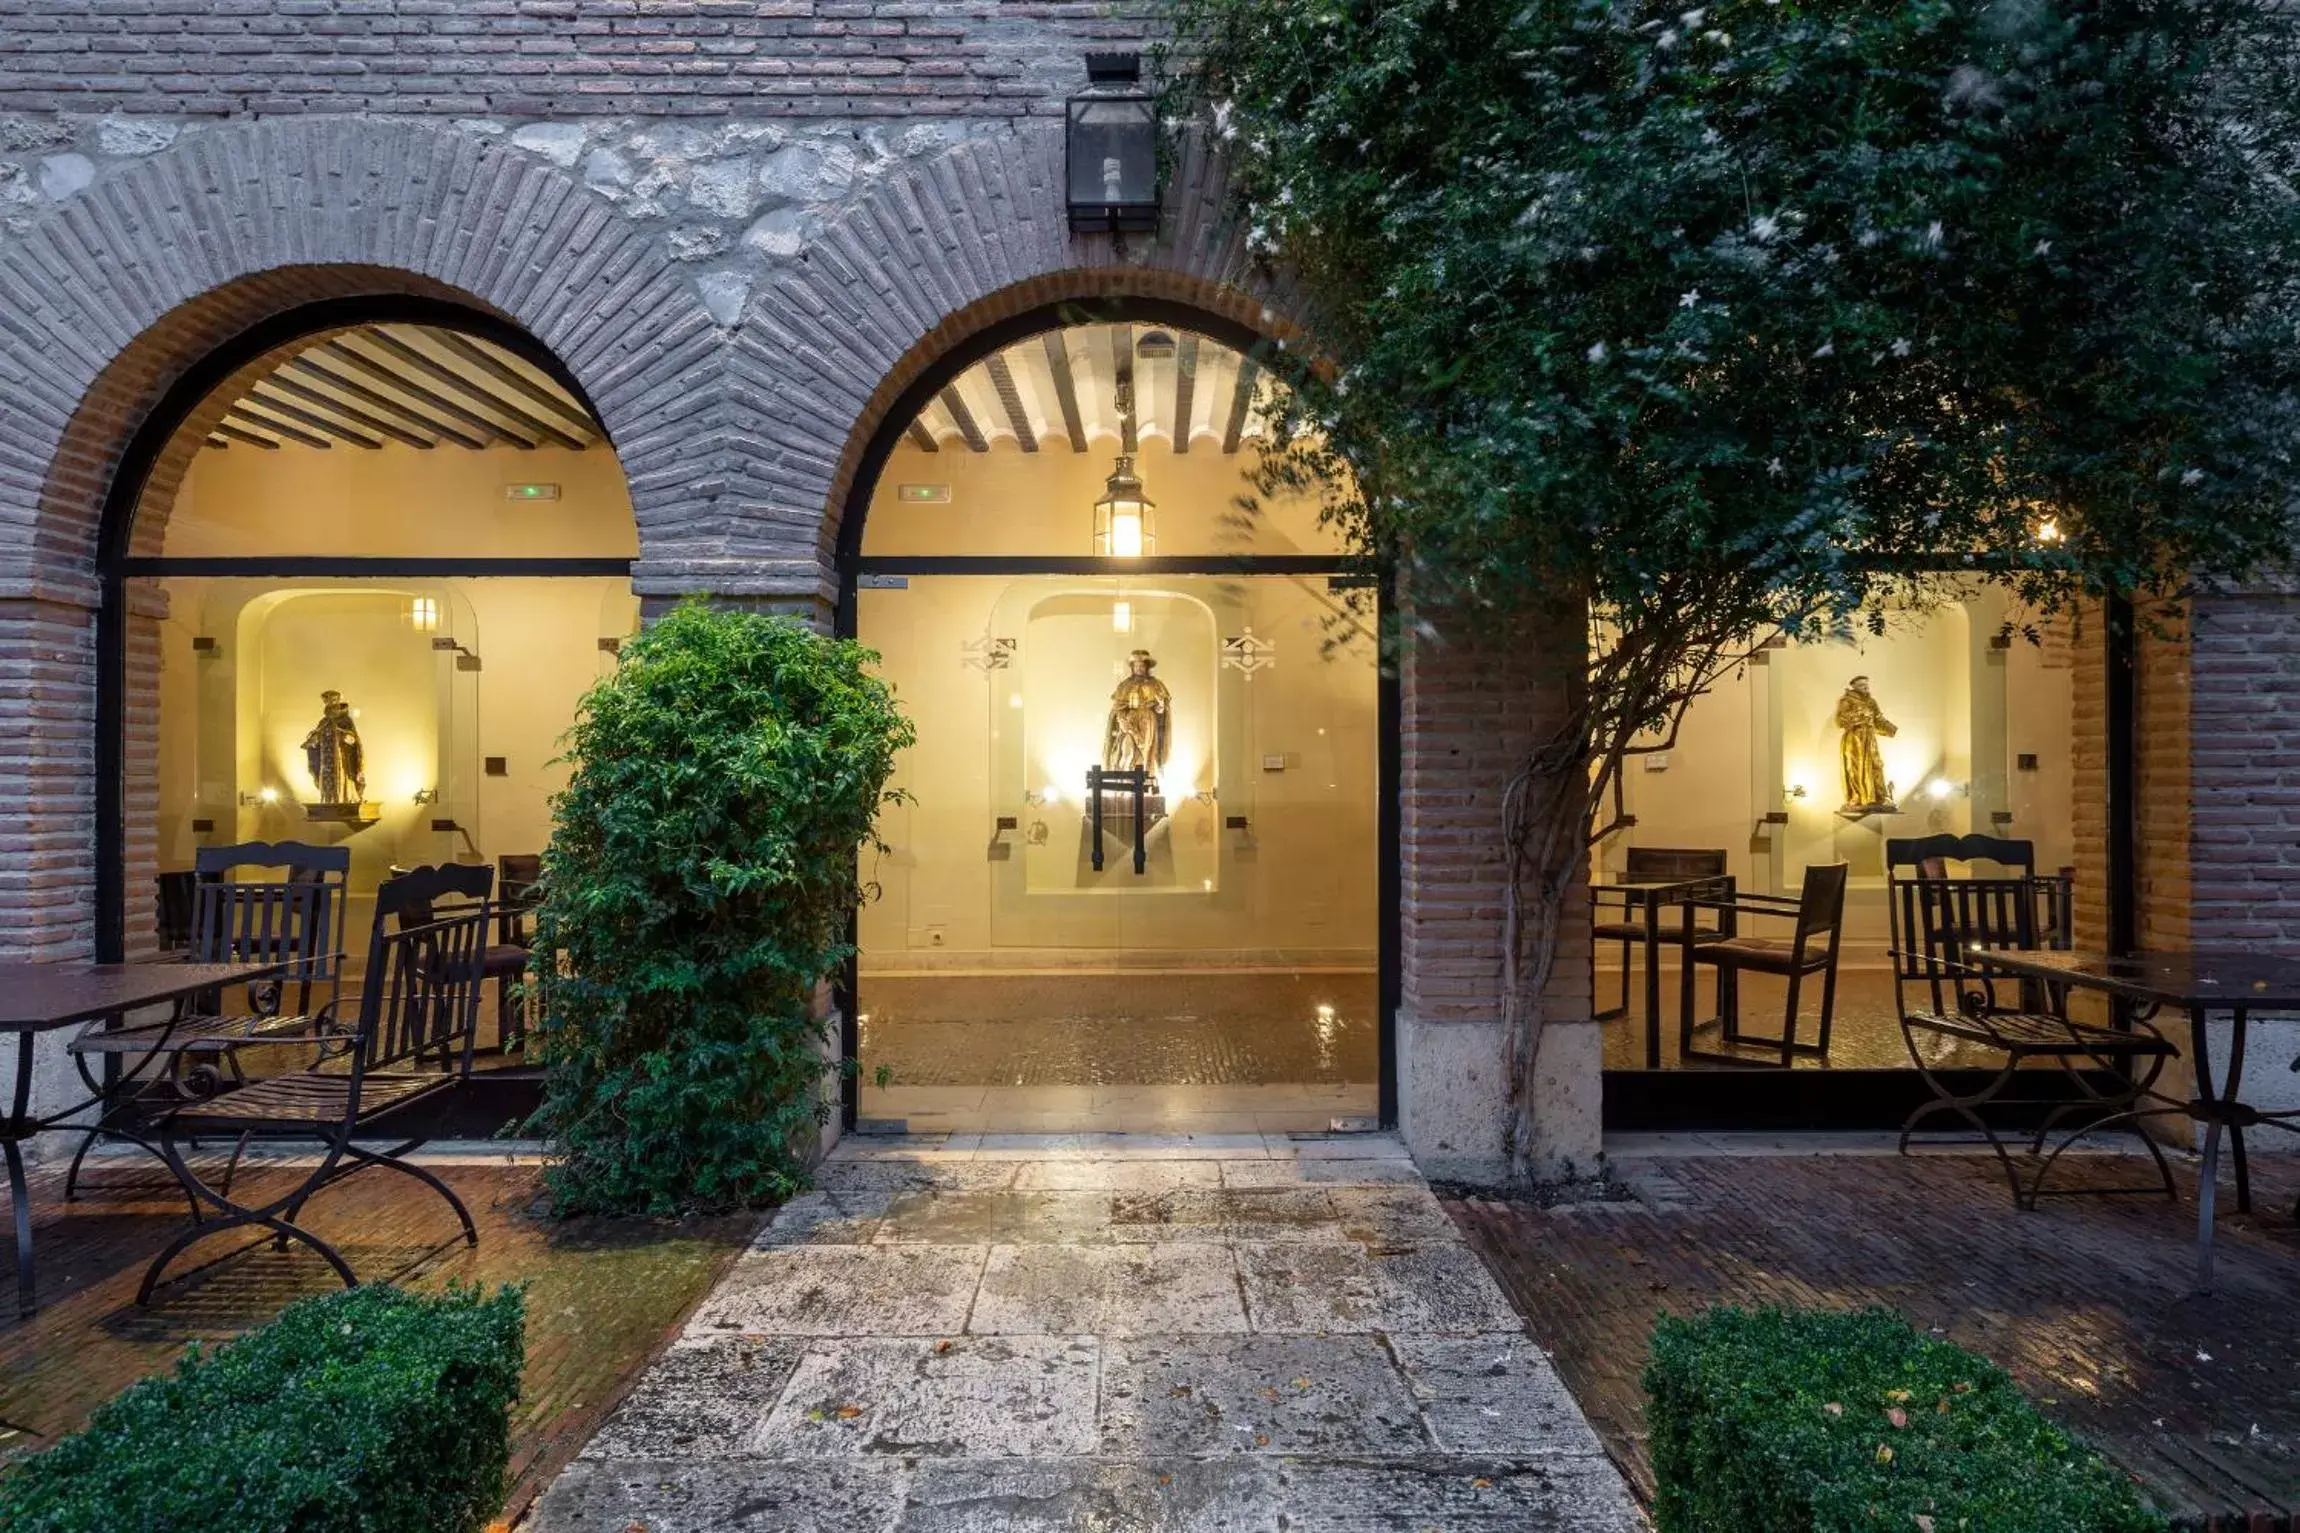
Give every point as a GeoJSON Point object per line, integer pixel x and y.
{"type": "Point", "coordinates": [368, 1411]}
{"type": "Point", "coordinates": [696, 893]}
{"type": "Point", "coordinates": [1834, 1422]}
{"type": "Point", "coordinates": [1730, 303]}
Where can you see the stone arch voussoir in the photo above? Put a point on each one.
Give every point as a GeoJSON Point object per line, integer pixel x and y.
{"type": "Point", "coordinates": [106, 302]}
{"type": "Point", "coordinates": [950, 248]}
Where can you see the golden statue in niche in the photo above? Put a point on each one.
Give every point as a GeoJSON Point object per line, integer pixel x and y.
{"type": "Point", "coordinates": [1866, 787]}
{"type": "Point", "coordinates": [1141, 729]}
{"type": "Point", "coordinates": [332, 751]}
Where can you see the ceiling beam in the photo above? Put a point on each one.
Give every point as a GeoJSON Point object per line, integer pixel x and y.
{"type": "Point", "coordinates": [225, 428]}
{"type": "Point", "coordinates": [361, 392]}
{"type": "Point", "coordinates": [963, 419]}
{"type": "Point", "coordinates": [352, 413]}
{"type": "Point", "coordinates": [471, 389]}
{"type": "Point", "coordinates": [1185, 390]}
{"type": "Point", "coordinates": [1002, 379]}
{"type": "Point", "coordinates": [503, 372]}
{"type": "Point", "coordinates": [1241, 401]}
{"type": "Point", "coordinates": [920, 437]}
{"type": "Point", "coordinates": [1122, 369]}
{"type": "Point", "coordinates": [1065, 389]}
{"type": "Point", "coordinates": [247, 416]}
{"type": "Point", "coordinates": [297, 413]}
{"type": "Point", "coordinates": [338, 352]}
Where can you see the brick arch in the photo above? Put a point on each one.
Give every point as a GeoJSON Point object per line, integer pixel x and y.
{"type": "Point", "coordinates": [949, 249]}
{"type": "Point", "coordinates": [122, 290]}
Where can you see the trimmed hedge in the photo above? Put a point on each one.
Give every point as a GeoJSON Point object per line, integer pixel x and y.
{"type": "Point", "coordinates": [1792, 1420]}
{"type": "Point", "coordinates": [367, 1411]}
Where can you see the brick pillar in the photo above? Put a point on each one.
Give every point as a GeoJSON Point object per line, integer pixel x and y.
{"type": "Point", "coordinates": [47, 777]}
{"type": "Point", "coordinates": [1473, 704]}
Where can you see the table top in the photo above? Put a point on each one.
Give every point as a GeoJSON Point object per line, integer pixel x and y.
{"type": "Point", "coordinates": [36, 997]}
{"type": "Point", "coordinates": [2215, 979]}
{"type": "Point", "coordinates": [1649, 887]}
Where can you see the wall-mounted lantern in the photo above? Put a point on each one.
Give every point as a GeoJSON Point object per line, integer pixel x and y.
{"type": "Point", "coordinates": [1113, 148]}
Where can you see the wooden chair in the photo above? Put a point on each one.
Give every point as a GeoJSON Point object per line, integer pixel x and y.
{"type": "Point", "coordinates": [295, 919]}
{"type": "Point", "coordinates": [416, 1030]}
{"type": "Point", "coordinates": [1942, 930]}
{"type": "Point", "coordinates": [518, 889]}
{"type": "Point", "coordinates": [1650, 865]}
{"type": "Point", "coordinates": [1818, 914]}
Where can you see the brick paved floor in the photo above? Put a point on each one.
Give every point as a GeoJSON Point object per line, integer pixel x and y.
{"type": "Point", "coordinates": [2085, 1302]}
{"type": "Point", "coordinates": [603, 1295]}
{"type": "Point", "coordinates": [1013, 1333]}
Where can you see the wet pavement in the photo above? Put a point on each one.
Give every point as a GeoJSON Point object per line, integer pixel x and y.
{"type": "Point", "coordinates": [1236, 1331]}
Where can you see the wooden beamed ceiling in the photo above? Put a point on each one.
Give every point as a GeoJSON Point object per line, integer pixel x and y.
{"type": "Point", "coordinates": [1058, 390]}
{"type": "Point", "coordinates": [416, 385]}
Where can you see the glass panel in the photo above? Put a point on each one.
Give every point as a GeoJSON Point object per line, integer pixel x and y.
{"type": "Point", "coordinates": [400, 501]}
{"type": "Point", "coordinates": [459, 692]}
{"type": "Point", "coordinates": [1012, 457]}
{"type": "Point", "coordinates": [1228, 983]}
{"type": "Point", "coordinates": [1975, 737]}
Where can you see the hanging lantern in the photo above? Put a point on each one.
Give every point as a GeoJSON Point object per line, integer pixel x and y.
{"type": "Point", "coordinates": [1124, 525]}
{"type": "Point", "coordinates": [1113, 149]}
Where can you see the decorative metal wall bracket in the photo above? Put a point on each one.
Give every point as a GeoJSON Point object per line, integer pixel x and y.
{"type": "Point", "coordinates": [1249, 652]}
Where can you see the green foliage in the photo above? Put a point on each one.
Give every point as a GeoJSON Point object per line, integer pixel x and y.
{"type": "Point", "coordinates": [369, 1411]}
{"type": "Point", "coordinates": [696, 893]}
{"type": "Point", "coordinates": [1786, 1419]}
{"type": "Point", "coordinates": [1725, 318]}
{"type": "Point", "coordinates": [1729, 303]}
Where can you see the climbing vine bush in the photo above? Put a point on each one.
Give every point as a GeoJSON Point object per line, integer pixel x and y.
{"type": "Point", "coordinates": [1722, 319]}
{"type": "Point", "coordinates": [696, 893]}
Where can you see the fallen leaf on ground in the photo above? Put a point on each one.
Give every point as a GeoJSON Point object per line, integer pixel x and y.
{"type": "Point", "coordinates": [1481, 1483]}
{"type": "Point", "coordinates": [849, 1412]}
{"type": "Point", "coordinates": [1834, 1408]}
{"type": "Point", "coordinates": [1897, 1416]}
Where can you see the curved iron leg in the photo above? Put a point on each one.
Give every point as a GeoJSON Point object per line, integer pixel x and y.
{"type": "Point", "coordinates": [390, 1160]}
{"type": "Point", "coordinates": [20, 1197]}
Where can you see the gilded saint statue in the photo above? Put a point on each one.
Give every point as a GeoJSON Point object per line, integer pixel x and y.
{"type": "Point", "coordinates": [1141, 731]}
{"type": "Point", "coordinates": [1858, 715]}
{"type": "Point", "coordinates": [332, 751]}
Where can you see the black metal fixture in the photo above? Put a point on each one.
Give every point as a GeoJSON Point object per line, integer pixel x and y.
{"type": "Point", "coordinates": [1113, 149]}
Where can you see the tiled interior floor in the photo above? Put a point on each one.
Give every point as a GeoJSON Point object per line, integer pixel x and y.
{"type": "Point", "coordinates": [1175, 1052]}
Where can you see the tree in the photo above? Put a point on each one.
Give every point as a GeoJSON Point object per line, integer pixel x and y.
{"type": "Point", "coordinates": [696, 892]}
{"type": "Point", "coordinates": [1731, 319]}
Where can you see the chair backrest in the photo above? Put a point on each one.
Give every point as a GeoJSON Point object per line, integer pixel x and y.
{"type": "Point", "coordinates": [1935, 852]}
{"type": "Point", "coordinates": [296, 920]}
{"type": "Point", "coordinates": [172, 910]}
{"type": "Point", "coordinates": [1821, 904]}
{"type": "Point", "coordinates": [525, 869]}
{"type": "Point", "coordinates": [299, 860]}
{"type": "Point", "coordinates": [419, 1002]}
{"type": "Point", "coordinates": [1940, 924]}
{"type": "Point", "coordinates": [1653, 864]}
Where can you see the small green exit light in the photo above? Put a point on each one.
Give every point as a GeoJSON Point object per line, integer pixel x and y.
{"type": "Point", "coordinates": [531, 492]}
{"type": "Point", "coordinates": [924, 494]}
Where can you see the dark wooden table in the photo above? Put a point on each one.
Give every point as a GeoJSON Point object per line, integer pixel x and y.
{"type": "Point", "coordinates": [37, 998]}
{"type": "Point", "coordinates": [2233, 983]}
{"type": "Point", "coordinates": [1652, 898]}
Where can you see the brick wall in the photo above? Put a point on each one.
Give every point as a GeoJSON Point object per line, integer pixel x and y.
{"type": "Point", "coordinates": [1475, 703]}
{"type": "Point", "coordinates": [788, 58]}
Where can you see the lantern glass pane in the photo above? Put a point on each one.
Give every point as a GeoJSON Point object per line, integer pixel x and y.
{"type": "Point", "coordinates": [1113, 152]}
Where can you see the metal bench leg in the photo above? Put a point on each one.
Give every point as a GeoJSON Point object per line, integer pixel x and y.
{"type": "Point", "coordinates": [20, 1198]}
{"type": "Point", "coordinates": [390, 1160]}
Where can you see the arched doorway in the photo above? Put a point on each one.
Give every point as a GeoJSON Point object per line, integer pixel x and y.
{"type": "Point", "coordinates": [1136, 882]}
{"type": "Point", "coordinates": [401, 506]}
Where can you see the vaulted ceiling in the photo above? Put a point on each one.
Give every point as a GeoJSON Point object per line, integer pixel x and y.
{"type": "Point", "coordinates": [416, 385]}
{"type": "Point", "coordinates": [1056, 392]}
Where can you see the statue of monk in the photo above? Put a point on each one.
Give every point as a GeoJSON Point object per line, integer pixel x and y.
{"type": "Point", "coordinates": [332, 752]}
{"type": "Point", "coordinates": [1864, 764]}
{"type": "Point", "coordinates": [1141, 731]}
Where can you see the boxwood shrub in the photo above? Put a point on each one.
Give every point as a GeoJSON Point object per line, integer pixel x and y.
{"type": "Point", "coordinates": [1790, 1420]}
{"type": "Point", "coordinates": [371, 1410]}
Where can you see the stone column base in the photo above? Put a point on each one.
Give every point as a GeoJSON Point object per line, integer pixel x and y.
{"type": "Point", "coordinates": [1453, 1099]}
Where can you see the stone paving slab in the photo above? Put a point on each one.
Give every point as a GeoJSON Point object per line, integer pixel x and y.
{"type": "Point", "coordinates": [979, 1332]}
